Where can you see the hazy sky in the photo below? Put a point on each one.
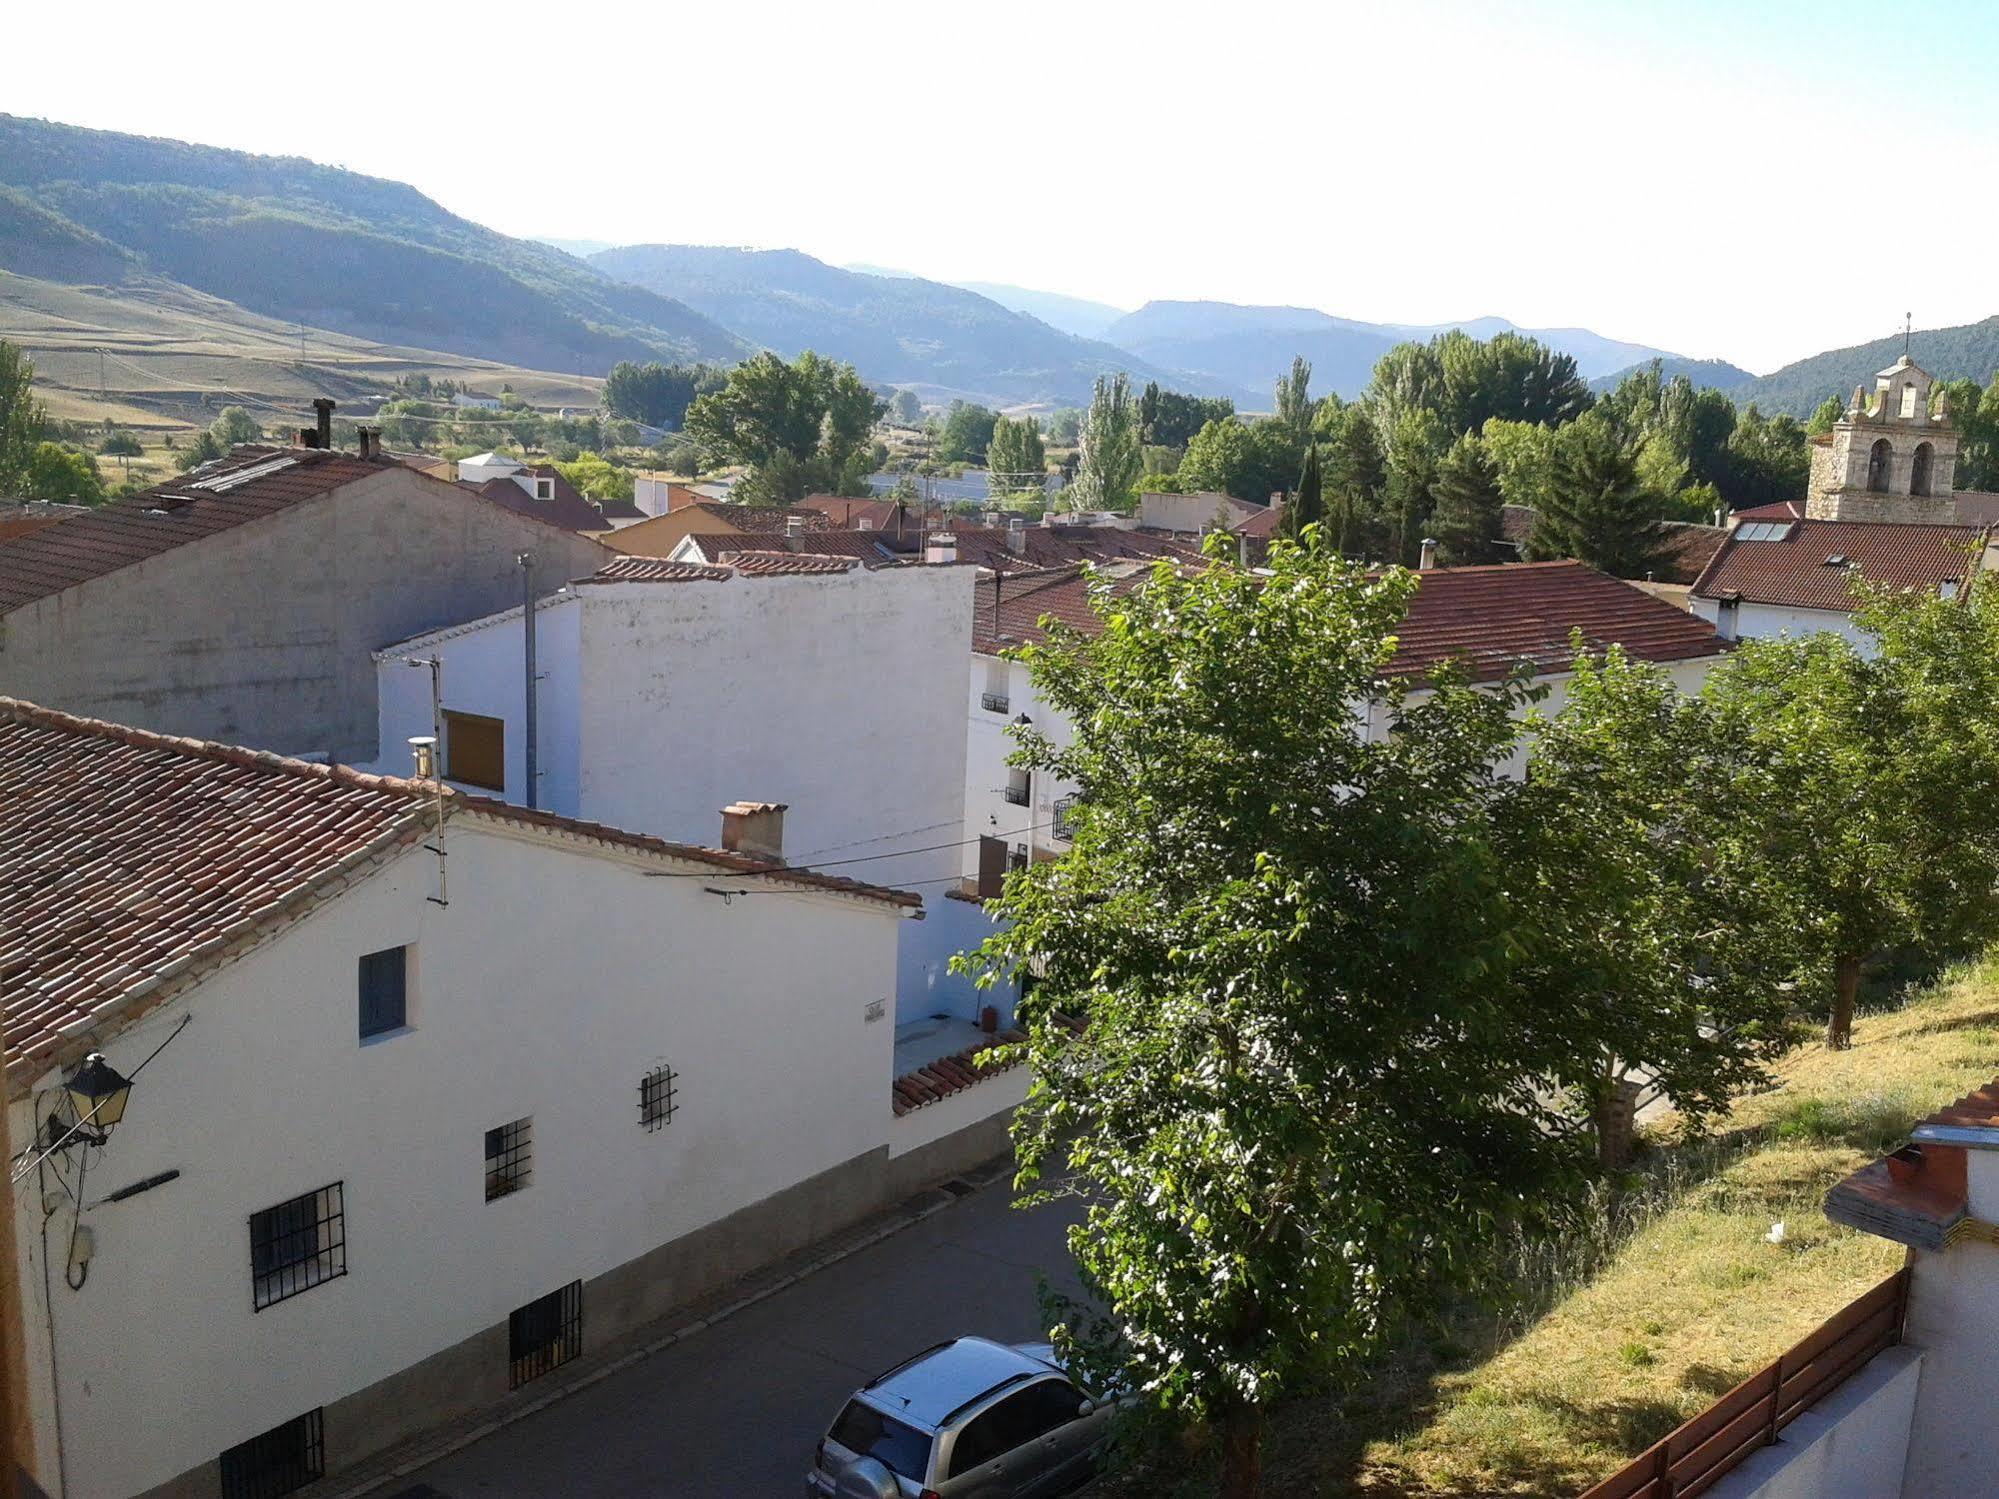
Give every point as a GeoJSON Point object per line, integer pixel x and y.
{"type": "Point", "coordinates": [1750, 179]}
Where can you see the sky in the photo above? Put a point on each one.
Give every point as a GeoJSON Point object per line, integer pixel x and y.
{"type": "Point", "coordinates": [1755, 180]}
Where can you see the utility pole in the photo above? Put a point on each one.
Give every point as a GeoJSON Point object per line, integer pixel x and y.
{"type": "Point", "coordinates": [103, 380]}
{"type": "Point", "coordinates": [526, 561]}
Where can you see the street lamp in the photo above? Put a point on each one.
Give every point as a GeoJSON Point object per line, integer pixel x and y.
{"type": "Point", "coordinates": [97, 1096]}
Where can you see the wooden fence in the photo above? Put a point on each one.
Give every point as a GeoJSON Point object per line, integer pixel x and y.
{"type": "Point", "coordinates": [1749, 1416]}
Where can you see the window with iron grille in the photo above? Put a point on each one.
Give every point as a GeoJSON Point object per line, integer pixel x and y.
{"type": "Point", "coordinates": [544, 1334]}
{"type": "Point", "coordinates": [384, 991]}
{"type": "Point", "coordinates": [509, 1157]}
{"type": "Point", "coordinates": [284, 1458]}
{"type": "Point", "coordinates": [1064, 826]}
{"type": "Point", "coordinates": [656, 1097]}
{"type": "Point", "coordinates": [296, 1245]}
{"type": "Point", "coordinates": [993, 702]}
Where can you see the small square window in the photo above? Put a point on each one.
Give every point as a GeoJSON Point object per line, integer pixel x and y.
{"type": "Point", "coordinates": [509, 1158]}
{"type": "Point", "coordinates": [475, 750]}
{"type": "Point", "coordinates": [544, 1334]}
{"type": "Point", "coordinates": [296, 1245]}
{"type": "Point", "coordinates": [656, 1098]}
{"type": "Point", "coordinates": [384, 991]}
{"type": "Point", "coordinates": [284, 1458]}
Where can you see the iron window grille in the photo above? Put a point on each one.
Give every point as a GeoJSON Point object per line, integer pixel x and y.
{"type": "Point", "coordinates": [384, 991]}
{"type": "Point", "coordinates": [1016, 795]}
{"type": "Point", "coordinates": [284, 1458]}
{"type": "Point", "coordinates": [993, 702]}
{"type": "Point", "coordinates": [657, 1098]}
{"type": "Point", "coordinates": [509, 1158]}
{"type": "Point", "coordinates": [1064, 826]}
{"type": "Point", "coordinates": [544, 1334]}
{"type": "Point", "coordinates": [296, 1245]}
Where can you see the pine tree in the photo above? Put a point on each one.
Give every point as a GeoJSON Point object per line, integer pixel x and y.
{"type": "Point", "coordinates": [1308, 505]}
{"type": "Point", "coordinates": [1465, 517]}
{"type": "Point", "coordinates": [1594, 508]}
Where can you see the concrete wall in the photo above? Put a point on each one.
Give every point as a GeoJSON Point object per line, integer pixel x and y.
{"type": "Point", "coordinates": [1761, 621]}
{"type": "Point", "coordinates": [1954, 1318]}
{"type": "Point", "coordinates": [1203, 511]}
{"type": "Point", "coordinates": [553, 981]}
{"type": "Point", "coordinates": [1851, 1445]}
{"type": "Point", "coordinates": [261, 635]}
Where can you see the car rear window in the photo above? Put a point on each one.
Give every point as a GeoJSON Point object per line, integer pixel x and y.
{"type": "Point", "coordinates": [903, 1450]}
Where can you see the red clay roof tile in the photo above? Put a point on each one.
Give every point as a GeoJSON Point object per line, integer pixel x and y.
{"type": "Point", "coordinates": [1813, 564]}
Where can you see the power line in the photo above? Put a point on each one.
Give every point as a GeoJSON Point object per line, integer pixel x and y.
{"type": "Point", "coordinates": [662, 874]}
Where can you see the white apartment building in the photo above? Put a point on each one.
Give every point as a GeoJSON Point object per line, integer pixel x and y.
{"type": "Point", "coordinates": [428, 1095]}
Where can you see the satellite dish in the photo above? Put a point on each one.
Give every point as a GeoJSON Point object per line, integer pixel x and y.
{"type": "Point", "coordinates": [866, 1478]}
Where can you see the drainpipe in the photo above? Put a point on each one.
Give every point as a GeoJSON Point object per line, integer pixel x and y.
{"type": "Point", "coordinates": [526, 561]}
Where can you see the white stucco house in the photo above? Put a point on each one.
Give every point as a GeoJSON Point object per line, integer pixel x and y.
{"type": "Point", "coordinates": [429, 1094]}
{"type": "Point", "coordinates": [664, 692]}
{"type": "Point", "coordinates": [1491, 617]}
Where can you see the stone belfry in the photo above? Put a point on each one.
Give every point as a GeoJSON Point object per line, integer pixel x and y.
{"type": "Point", "coordinates": [1889, 457]}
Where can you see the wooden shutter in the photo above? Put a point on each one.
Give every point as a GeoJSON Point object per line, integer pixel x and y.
{"type": "Point", "coordinates": [475, 750]}
{"type": "Point", "coordinates": [992, 867]}
{"type": "Point", "coordinates": [384, 1005]}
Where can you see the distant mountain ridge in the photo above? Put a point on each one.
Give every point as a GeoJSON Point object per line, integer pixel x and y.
{"type": "Point", "coordinates": [1251, 345]}
{"type": "Point", "coordinates": [1077, 315]}
{"type": "Point", "coordinates": [1705, 374]}
{"type": "Point", "coordinates": [289, 238]}
{"type": "Point", "coordinates": [898, 329]}
{"type": "Point", "coordinates": [1970, 350]}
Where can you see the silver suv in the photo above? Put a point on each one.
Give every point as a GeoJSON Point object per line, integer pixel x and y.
{"type": "Point", "coordinates": [970, 1419]}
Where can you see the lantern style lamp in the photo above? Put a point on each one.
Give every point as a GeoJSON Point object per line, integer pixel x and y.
{"type": "Point", "coordinates": [97, 1093]}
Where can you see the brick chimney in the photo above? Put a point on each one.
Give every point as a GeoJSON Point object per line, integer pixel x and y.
{"type": "Point", "coordinates": [754, 828]}
{"type": "Point", "coordinates": [323, 406]}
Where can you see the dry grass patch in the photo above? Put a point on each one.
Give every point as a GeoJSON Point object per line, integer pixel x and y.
{"type": "Point", "coordinates": [1655, 1301]}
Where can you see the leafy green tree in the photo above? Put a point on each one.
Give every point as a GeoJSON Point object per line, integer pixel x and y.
{"type": "Point", "coordinates": [22, 417]}
{"type": "Point", "coordinates": [1768, 459]}
{"type": "Point", "coordinates": [1827, 413]}
{"type": "Point", "coordinates": [1466, 382]}
{"type": "Point", "coordinates": [596, 478]}
{"type": "Point", "coordinates": [1293, 400]}
{"type": "Point", "coordinates": [798, 427]}
{"type": "Point", "coordinates": [1975, 415]}
{"type": "Point", "coordinates": [907, 407]}
{"type": "Point", "coordinates": [1415, 444]}
{"type": "Point", "coordinates": [1465, 517]}
{"type": "Point", "coordinates": [62, 474]}
{"type": "Point", "coordinates": [1107, 459]}
{"type": "Point", "coordinates": [124, 447]}
{"type": "Point", "coordinates": [653, 393]}
{"type": "Point", "coordinates": [232, 425]}
{"type": "Point", "coordinates": [1868, 761]}
{"type": "Point", "coordinates": [1180, 416]}
{"type": "Point", "coordinates": [1217, 458]}
{"type": "Point", "coordinates": [203, 449]}
{"type": "Point", "coordinates": [1356, 476]}
{"type": "Point", "coordinates": [968, 429]}
{"type": "Point", "coordinates": [1308, 505]}
{"type": "Point", "coordinates": [1593, 506]}
{"type": "Point", "coordinates": [1016, 458]}
{"type": "Point", "coordinates": [1065, 426]}
{"type": "Point", "coordinates": [1148, 413]}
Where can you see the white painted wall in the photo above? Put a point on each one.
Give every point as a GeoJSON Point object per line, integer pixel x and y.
{"type": "Point", "coordinates": [1954, 1318]}
{"type": "Point", "coordinates": [1851, 1445]}
{"type": "Point", "coordinates": [1761, 621]}
{"type": "Point", "coordinates": [934, 1121]}
{"type": "Point", "coordinates": [758, 1004]}
{"type": "Point", "coordinates": [661, 703]}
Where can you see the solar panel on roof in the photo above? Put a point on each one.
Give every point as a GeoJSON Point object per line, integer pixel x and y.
{"type": "Point", "coordinates": [234, 477]}
{"type": "Point", "coordinates": [1762, 530]}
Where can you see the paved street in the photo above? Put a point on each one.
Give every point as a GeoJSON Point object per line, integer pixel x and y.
{"type": "Point", "coordinates": [736, 1409]}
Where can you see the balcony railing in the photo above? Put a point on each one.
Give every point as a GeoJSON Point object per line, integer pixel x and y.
{"type": "Point", "coordinates": [1016, 795]}
{"type": "Point", "coordinates": [993, 702]}
{"type": "Point", "coordinates": [1749, 1416]}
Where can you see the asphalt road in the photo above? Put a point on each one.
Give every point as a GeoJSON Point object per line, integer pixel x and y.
{"type": "Point", "coordinates": [736, 1409]}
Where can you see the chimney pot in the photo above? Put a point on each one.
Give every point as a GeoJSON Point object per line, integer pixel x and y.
{"type": "Point", "coordinates": [1427, 557]}
{"type": "Point", "coordinates": [941, 546]}
{"type": "Point", "coordinates": [308, 437]}
{"type": "Point", "coordinates": [755, 829]}
{"type": "Point", "coordinates": [323, 405]}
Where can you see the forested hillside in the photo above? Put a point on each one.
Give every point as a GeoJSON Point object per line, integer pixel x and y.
{"type": "Point", "coordinates": [1970, 352]}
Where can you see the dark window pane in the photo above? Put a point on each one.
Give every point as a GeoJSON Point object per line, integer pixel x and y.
{"type": "Point", "coordinates": [866, 1432]}
{"type": "Point", "coordinates": [384, 991]}
{"type": "Point", "coordinates": [284, 1458]}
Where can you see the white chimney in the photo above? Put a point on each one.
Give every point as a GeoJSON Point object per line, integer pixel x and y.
{"type": "Point", "coordinates": [794, 525]}
{"type": "Point", "coordinates": [940, 546]}
{"type": "Point", "coordinates": [754, 828]}
{"type": "Point", "coordinates": [1427, 557]}
{"type": "Point", "coordinates": [1016, 533]}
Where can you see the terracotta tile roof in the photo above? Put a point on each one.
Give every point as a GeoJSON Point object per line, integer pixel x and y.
{"type": "Point", "coordinates": [1775, 510]}
{"type": "Point", "coordinates": [1917, 1195]}
{"type": "Point", "coordinates": [878, 515]}
{"type": "Point", "coordinates": [1058, 546]}
{"type": "Point", "coordinates": [1685, 547]}
{"type": "Point", "coordinates": [565, 507]}
{"type": "Point", "coordinates": [756, 519]}
{"type": "Point", "coordinates": [862, 546]}
{"type": "Point", "coordinates": [655, 570]}
{"type": "Point", "coordinates": [1494, 617]}
{"type": "Point", "coordinates": [948, 1075]}
{"type": "Point", "coordinates": [762, 564]}
{"type": "Point", "coordinates": [129, 858]}
{"type": "Point", "coordinates": [1811, 566]}
{"type": "Point", "coordinates": [1263, 524]}
{"type": "Point", "coordinates": [249, 485]}
{"type": "Point", "coordinates": [1490, 618]}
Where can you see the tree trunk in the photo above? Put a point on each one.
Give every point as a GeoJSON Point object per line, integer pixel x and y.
{"type": "Point", "coordinates": [1616, 1116]}
{"type": "Point", "coordinates": [1242, 1452]}
{"type": "Point", "coordinates": [1845, 985]}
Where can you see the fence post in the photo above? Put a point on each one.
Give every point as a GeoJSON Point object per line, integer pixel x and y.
{"type": "Point", "coordinates": [1662, 1477]}
{"type": "Point", "coordinates": [1776, 1400]}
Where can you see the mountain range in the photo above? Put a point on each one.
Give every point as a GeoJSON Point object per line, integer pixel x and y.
{"type": "Point", "coordinates": [206, 243]}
